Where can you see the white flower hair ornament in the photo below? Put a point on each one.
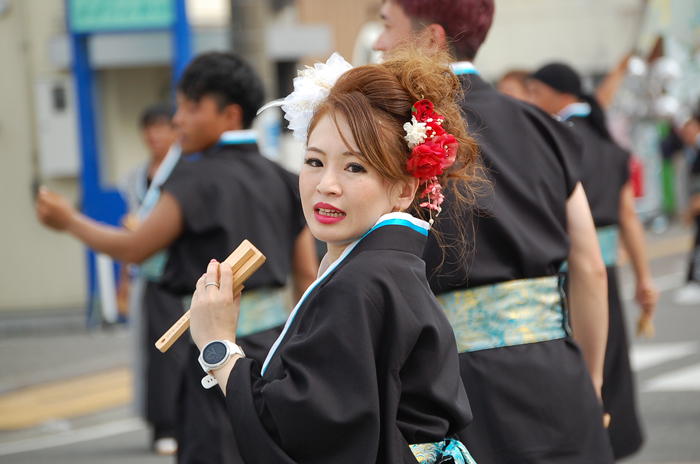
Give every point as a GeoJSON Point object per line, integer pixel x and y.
{"type": "Point", "coordinates": [311, 88]}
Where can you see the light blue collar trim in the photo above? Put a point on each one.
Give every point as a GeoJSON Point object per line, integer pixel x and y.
{"type": "Point", "coordinates": [463, 67]}
{"type": "Point", "coordinates": [238, 137]}
{"type": "Point", "coordinates": [402, 219]}
{"type": "Point", "coordinates": [162, 173]}
{"type": "Point", "coordinates": [579, 109]}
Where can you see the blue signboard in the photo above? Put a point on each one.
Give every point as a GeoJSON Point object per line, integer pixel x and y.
{"type": "Point", "coordinates": [91, 16]}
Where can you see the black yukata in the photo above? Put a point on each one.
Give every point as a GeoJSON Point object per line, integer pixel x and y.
{"type": "Point", "coordinates": [366, 366]}
{"type": "Point", "coordinates": [532, 402]}
{"type": "Point", "coordinates": [605, 172]}
{"type": "Point", "coordinates": [227, 194]}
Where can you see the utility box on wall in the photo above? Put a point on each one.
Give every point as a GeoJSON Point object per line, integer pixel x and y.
{"type": "Point", "coordinates": [56, 127]}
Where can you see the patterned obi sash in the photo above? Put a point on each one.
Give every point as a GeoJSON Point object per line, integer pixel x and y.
{"type": "Point", "coordinates": [152, 268]}
{"type": "Point", "coordinates": [506, 314]}
{"type": "Point", "coordinates": [261, 309]}
{"type": "Point", "coordinates": [448, 451]}
{"type": "Point", "coordinates": [607, 237]}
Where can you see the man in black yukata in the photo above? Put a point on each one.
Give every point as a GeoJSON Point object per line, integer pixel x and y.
{"type": "Point", "coordinates": [556, 88]}
{"type": "Point", "coordinates": [151, 308]}
{"type": "Point", "coordinates": [534, 391]}
{"type": "Point", "coordinates": [221, 192]}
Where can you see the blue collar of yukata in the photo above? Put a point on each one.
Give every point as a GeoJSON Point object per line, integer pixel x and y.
{"type": "Point", "coordinates": [463, 67]}
{"type": "Point", "coordinates": [578, 109]}
{"type": "Point", "coordinates": [238, 137]}
{"type": "Point", "coordinates": [401, 219]}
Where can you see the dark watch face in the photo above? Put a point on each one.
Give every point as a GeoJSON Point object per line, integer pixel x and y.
{"type": "Point", "coordinates": [214, 352]}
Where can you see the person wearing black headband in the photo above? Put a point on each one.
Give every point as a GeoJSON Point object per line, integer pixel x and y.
{"type": "Point", "coordinates": [556, 88]}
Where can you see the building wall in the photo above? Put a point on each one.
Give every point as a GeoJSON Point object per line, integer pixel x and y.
{"type": "Point", "coordinates": [591, 35]}
{"type": "Point", "coordinates": [346, 17]}
{"type": "Point", "coordinates": [40, 268]}
{"type": "Point", "coordinates": [124, 93]}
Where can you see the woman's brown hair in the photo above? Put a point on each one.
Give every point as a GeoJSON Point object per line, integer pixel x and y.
{"type": "Point", "coordinates": [376, 101]}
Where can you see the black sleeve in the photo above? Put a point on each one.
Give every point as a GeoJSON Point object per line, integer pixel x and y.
{"type": "Point", "coordinates": [298, 216]}
{"type": "Point", "coordinates": [325, 406]}
{"type": "Point", "coordinates": [563, 140]}
{"type": "Point", "coordinates": [194, 195]}
{"type": "Point", "coordinates": [569, 147]}
{"type": "Point", "coordinates": [625, 168]}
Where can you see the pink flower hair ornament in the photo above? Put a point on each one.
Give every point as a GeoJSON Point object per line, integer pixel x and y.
{"type": "Point", "coordinates": [432, 151]}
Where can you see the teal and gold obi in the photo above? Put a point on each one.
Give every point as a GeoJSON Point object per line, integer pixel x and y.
{"type": "Point", "coordinates": [442, 451]}
{"type": "Point", "coordinates": [261, 309]}
{"type": "Point", "coordinates": [607, 237]}
{"type": "Point", "coordinates": [506, 314]}
{"type": "Point", "coordinates": [152, 268]}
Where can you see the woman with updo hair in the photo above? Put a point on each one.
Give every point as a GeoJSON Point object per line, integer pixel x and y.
{"type": "Point", "coordinates": [366, 369]}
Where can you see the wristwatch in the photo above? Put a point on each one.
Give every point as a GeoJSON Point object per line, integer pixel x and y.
{"type": "Point", "coordinates": [214, 355]}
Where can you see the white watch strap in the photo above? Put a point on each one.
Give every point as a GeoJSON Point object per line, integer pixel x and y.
{"type": "Point", "coordinates": [209, 381]}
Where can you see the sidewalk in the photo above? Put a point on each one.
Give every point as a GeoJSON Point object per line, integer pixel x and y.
{"type": "Point", "coordinates": [53, 370]}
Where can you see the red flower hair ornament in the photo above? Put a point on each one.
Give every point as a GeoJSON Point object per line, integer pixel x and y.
{"type": "Point", "coordinates": [432, 151]}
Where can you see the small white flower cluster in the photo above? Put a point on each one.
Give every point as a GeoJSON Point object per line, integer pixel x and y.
{"type": "Point", "coordinates": [415, 132]}
{"type": "Point", "coordinates": [311, 88]}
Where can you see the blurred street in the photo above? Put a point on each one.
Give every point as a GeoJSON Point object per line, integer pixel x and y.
{"type": "Point", "coordinates": [66, 395]}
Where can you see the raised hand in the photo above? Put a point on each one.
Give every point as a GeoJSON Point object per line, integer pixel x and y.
{"type": "Point", "coordinates": [54, 210]}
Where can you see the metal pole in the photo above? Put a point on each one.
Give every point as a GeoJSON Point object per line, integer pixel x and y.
{"type": "Point", "coordinates": [88, 144]}
{"type": "Point", "coordinates": [182, 41]}
{"type": "Point", "coordinates": [97, 202]}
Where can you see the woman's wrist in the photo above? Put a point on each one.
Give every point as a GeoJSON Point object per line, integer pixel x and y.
{"type": "Point", "coordinates": [222, 373]}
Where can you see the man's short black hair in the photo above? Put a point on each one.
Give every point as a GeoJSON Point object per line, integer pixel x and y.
{"type": "Point", "coordinates": [157, 113]}
{"type": "Point", "coordinates": [227, 78]}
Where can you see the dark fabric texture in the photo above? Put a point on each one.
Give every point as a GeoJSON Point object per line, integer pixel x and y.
{"type": "Point", "coordinates": [205, 435]}
{"type": "Point", "coordinates": [227, 194]}
{"type": "Point", "coordinates": [605, 172]}
{"type": "Point", "coordinates": [618, 383]}
{"type": "Point", "coordinates": [368, 365]}
{"type": "Point", "coordinates": [618, 391]}
{"type": "Point", "coordinates": [163, 370]}
{"type": "Point", "coordinates": [532, 403]}
{"type": "Point", "coordinates": [519, 228]}
{"type": "Point", "coordinates": [525, 413]}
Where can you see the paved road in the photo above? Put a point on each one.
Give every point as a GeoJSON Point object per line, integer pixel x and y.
{"type": "Point", "coordinates": [668, 372]}
{"type": "Point", "coordinates": [41, 358]}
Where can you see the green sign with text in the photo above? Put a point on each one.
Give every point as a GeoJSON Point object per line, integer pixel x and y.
{"type": "Point", "coordinates": [87, 16]}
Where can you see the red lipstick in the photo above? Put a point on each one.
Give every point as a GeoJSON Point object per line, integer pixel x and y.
{"type": "Point", "coordinates": [328, 214]}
